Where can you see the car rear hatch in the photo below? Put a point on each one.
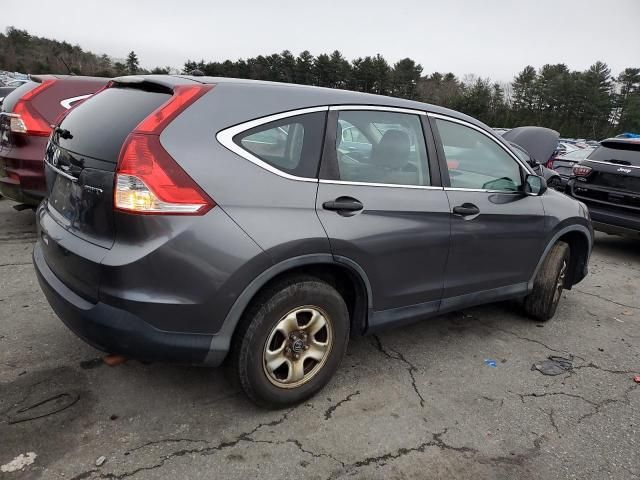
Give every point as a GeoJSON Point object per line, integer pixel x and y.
{"type": "Point", "coordinates": [80, 164]}
{"type": "Point", "coordinates": [539, 142]}
{"type": "Point", "coordinates": [611, 175]}
{"type": "Point", "coordinates": [84, 163]}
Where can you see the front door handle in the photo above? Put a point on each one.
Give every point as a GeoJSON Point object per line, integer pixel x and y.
{"type": "Point", "coordinates": [343, 204]}
{"type": "Point", "coordinates": [466, 209]}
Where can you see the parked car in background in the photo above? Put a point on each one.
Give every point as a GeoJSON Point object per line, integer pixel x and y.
{"type": "Point", "coordinates": [551, 176]}
{"type": "Point", "coordinates": [543, 142]}
{"type": "Point", "coordinates": [4, 91]}
{"type": "Point", "coordinates": [564, 147]}
{"type": "Point", "coordinates": [193, 218]}
{"type": "Point", "coordinates": [563, 164]}
{"type": "Point", "coordinates": [25, 125]}
{"type": "Point", "coordinates": [15, 83]}
{"type": "Point", "coordinates": [608, 182]}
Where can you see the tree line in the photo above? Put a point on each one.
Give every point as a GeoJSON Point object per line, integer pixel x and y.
{"type": "Point", "coordinates": [593, 103]}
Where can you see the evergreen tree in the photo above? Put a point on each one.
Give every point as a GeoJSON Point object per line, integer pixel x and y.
{"type": "Point", "coordinates": [132, 63]}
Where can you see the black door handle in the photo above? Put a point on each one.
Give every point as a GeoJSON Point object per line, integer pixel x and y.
{"type": "Point", "coordinates": [466, 209]}
{"type": "Point", "coordinates": [345, 204]}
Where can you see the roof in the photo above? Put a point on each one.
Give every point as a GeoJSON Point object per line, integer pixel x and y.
{"type": "Point", "coordinates": [318, 95]}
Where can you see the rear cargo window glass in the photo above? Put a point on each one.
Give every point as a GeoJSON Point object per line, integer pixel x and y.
{"type": "Point", "coordinates": [99, 126]}
{"type": "Point", "coordinates": [292, 145]}
{"type": "Point", "coordinates": [617, 155]}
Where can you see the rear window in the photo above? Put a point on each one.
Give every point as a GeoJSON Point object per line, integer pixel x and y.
{"type": "Point", "coordinates": [12, 98]}
{"type": "Point", "coordinates": [292, 145]}
{"type": "Point", "coordinates": [624, 154]}
{"type": "Point", "coordinates": [99, 126]}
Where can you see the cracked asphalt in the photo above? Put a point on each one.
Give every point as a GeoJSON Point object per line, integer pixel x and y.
{"type": "Point", "coordinates": [417, 402]}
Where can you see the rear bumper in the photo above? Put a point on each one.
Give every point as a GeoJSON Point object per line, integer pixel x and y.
{"type": "Point", "coordinates": [22, 173]}
{"type": "Point", "coordinates": [609, 218]}
{"type": "Point", "coordinates": [118, 331]}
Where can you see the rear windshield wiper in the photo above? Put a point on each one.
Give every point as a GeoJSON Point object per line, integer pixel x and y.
{"type": "Point", "coordinates": [63, 133]}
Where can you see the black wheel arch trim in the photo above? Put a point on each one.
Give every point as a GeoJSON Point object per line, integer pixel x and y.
{"type": "Point", "coordinates": [221, 341]}
{"type": "Point", "coordinates": [582, 229]}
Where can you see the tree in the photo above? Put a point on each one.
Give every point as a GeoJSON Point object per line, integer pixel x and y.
{"type": "Point", "coordinates": [598, 91]}
{"type": "Point", "coordinates": [322, 70]}
{"type": "Point", "coordinates": [362, 75]}
{"type": "Point", "coordinates": [119, 69]}
{"type": "Point", "coordinates": [303, 71]}
{"type": "Point", "coordinates": [339, 70]}
{"type": "Point", "coordinates": [580, 104]}
{"type": "Point", "coordinates": [627, 101]}
{"type": "Point", "coordinates": [406, 74]}
{"type": "Point", "coordinates": [524, 93]}
{"type": "Point", "coordinates": [160, 70]}
{"type": "Point", "coordinates": [132, 63]}
{"type": "Point", "coordinates": [381, 73]}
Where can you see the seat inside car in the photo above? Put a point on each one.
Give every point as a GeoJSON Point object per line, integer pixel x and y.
{"type": "Point", "coordinates": [389, 162]}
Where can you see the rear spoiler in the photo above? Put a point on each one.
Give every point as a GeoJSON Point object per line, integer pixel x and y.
{"type": "Point", "coordinates": [158, 83]}
{"type": "Point", "coordinates": [622, 143]}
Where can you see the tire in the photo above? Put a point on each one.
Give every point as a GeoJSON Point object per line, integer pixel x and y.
{"type": "Point", "coordinates": [261, 335]}
{"type": "Point", "coordinates": [542, 302]}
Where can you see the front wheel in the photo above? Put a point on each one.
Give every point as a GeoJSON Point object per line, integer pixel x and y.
{"type": "Point", "coordinates": [290, 342]}
{"type": "Point", "coordinates": [549, 283]}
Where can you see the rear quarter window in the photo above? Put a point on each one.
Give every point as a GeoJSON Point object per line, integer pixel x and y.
{"type": "Point", "coordinates": [292, 145]}
{"type": "Point", "coordinates": [99, 126]}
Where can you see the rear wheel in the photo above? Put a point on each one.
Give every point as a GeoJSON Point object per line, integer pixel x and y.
{"type": "Point", "coordinates": [549, 283]}
{"type": "Point", "coordinates": [290, 342]}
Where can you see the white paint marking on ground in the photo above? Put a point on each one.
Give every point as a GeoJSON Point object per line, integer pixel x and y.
{"type": "Point", "coordinates": [19, 462]}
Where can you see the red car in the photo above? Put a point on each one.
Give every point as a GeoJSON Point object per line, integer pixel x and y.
{"type": "Point", "coordinates": [25, 126]}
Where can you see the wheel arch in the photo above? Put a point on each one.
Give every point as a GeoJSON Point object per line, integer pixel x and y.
{"type": "Point", "coordinates": [342, 273]}
{"type": "Point", "coordinates": [580, 243]}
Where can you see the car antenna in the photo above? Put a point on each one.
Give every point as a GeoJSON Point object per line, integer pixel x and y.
{"type": "Point", "coordinates": [65, 64]}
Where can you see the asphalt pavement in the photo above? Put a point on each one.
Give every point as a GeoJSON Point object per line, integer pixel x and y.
{"type": "Point", "coordinates": [450, 398]}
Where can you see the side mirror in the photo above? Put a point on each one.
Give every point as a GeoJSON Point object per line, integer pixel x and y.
{"type": "Point", "coordinates": [534, 185]}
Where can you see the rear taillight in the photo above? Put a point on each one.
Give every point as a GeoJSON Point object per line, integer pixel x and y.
{"type": "Point", "coordinates": [549, 163]}
{"type": "Point", "coordinates": [148, 180]}
{"type": "Point", "coordinates": [25, 119]}
{"type": "Point", "coordinates": [580, 170]}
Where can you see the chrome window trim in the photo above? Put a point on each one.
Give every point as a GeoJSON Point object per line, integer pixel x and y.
{"type": "Point", "coordinates": [484, 132]}
{"type": "Point", "coordinates": [225, 138]}
{"type": "Point", "coordinates": [368, 184]}
{"type": "Point", "coordinates": [66, 103]}
{"type": "Point", "coordinates": [607, 163]}
{"type": "Point", "coordinates": [376, 108]}
{"type": "Point", "coordinates": [460, 189]}
{"type": "Point", "coordinates": [59, 171]}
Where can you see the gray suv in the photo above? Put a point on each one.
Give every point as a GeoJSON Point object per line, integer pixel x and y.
{"type": "Point", "coordinates": [200, 220]}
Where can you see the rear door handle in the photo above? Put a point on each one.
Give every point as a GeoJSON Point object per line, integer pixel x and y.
{"type": "Point", "coordinates": [466, 209]}
{"type": "Point", "coordinates": [344, 204]}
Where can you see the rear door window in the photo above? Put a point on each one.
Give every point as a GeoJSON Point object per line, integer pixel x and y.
{"type": "Point", "coordinates": [291, 145]}
{"type": "Point", "coordinates": [99, 126]}
{"type": "Point", "coordinates": [382, 148]}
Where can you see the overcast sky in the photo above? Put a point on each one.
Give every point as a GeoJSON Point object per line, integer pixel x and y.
{"type": "Point", "coordinates": [494, 38]}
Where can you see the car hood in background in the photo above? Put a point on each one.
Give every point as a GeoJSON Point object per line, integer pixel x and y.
{"type": "Point", "coordinates": [540, 142]}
